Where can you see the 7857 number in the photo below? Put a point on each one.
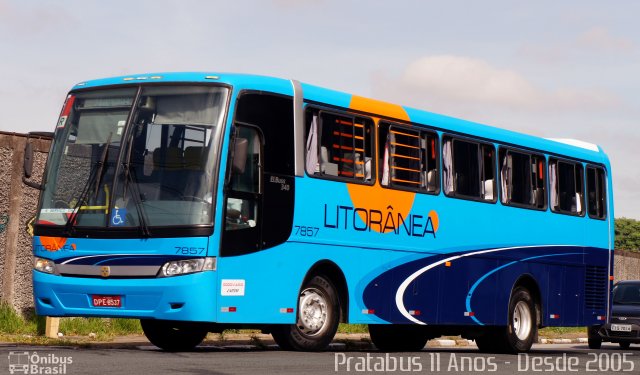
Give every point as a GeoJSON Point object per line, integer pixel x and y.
{"type": "Point", "coordinates": [305, 231]}
{"type": "Point", "coordinates": [189, 250]}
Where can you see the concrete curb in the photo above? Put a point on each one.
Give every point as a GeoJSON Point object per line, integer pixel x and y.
{"type": "Point", "coordinates": [579, 340]}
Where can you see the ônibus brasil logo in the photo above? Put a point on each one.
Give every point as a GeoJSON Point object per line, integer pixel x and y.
{"type": "Point", "coordinates": [34, 363]}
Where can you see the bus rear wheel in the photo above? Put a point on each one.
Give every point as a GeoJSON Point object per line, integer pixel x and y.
{"type": "Point", "coordinates": [518, 335]}
{"type": "Point", "coordinates": [317, 320]}
{"type": "Point", "coordinates": [521, 326]}
{"type": "Point", "coordinates": [173, 336]}
{"type": "Point", "coordinates": [398, 338]}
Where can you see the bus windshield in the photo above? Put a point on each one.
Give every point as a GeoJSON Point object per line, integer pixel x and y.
{"type": "Point", "coordinates": [136, 157]}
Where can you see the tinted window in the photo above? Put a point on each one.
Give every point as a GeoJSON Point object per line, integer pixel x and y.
{"type": "Point", "coordinates": [468, 169]}
{"type": "Point", "coordinates": [596, 192]}
{"type": "Point", "coordinates": [522, 179]}
{"type": "Point", "coordinates": [626, 294]}
{"type": "Point", "coordinates": [566, 187]}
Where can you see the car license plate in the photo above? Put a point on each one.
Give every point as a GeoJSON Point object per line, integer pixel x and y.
{"type": "Point", "coordinates": [107, 301]}
{"type": "Point", "coordinates": [621, 327]}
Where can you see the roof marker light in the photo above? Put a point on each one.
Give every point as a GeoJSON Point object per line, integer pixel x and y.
{"type": "Point", "coordinates": [81, 84]}
{"type": "Point", "coordinates": [128, 79]}
{"type": "Point", "coordinates": [141, 78]}
{"type": "Point", "coordinates": [211, 77]}
{"type": "Point", "coordinates": [156, 77]}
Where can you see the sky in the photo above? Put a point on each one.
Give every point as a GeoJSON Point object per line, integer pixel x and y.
{"type": "Point", "coordinates": [556, 69]}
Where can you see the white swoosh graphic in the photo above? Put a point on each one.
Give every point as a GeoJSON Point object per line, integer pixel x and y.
{"type": "Point", "coordinates": [413, 276]}
{"type": "Point", "coordinates": [95, 256]}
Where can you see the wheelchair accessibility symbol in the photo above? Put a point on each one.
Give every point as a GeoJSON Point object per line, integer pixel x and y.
{"type": "Point", "coordinates": [118, 216]}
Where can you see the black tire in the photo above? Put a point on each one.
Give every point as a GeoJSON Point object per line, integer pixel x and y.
{"type": "Point", "coordinates": [317, 323]}
{"type": "Point", "coordinates": [594, 343]}
{"type": "Point", "coordinates": [521, 329]}
{"type": "Point", "coordinates": [398, 338]}
{"type": "Point", "coordinates": [624, 345]}
{"type": "Point", "coordinates": [594, 340]}
{"type": "Point", "coordinates": [488, 342]}
{"type": "Point", "coordinates": [173, 336]}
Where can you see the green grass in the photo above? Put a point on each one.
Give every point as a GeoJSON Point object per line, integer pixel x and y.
{"type": "Point", "coordinates": [353, 328]}
{"type": "Point", "coordinates": [11, 323]}
{"type": "Point", "coordinates": [102, 327]}
{"type": "Point", "coordinates": [559, 331]}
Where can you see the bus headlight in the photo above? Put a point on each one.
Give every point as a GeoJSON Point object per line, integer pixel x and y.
{"type": "Point", "coordinates": [44, 265]}
{"type": "Point", "coordinates": [186, 266]}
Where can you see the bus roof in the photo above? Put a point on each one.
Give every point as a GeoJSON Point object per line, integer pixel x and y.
{"type": "Point", "coordinates": [561, 147]}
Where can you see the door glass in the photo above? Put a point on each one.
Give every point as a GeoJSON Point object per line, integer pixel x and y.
{"type": "Point", "coordinates": [245, 184]}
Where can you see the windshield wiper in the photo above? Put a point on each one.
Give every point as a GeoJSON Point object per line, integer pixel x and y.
{"type": "Point", "coordinates": [96, 175]}
{"type": "Point", "coordinates": [130, 181]}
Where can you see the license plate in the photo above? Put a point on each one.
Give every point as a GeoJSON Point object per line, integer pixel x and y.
{"type": "Point", "coordinates": [107, 301]}
{"type": "Point", "coordinates": [621, 327]}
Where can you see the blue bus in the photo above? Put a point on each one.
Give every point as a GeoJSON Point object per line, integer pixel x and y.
{"type": "Point", "coordinates": [198, 202]}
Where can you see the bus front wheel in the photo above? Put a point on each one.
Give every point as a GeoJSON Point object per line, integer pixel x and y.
{"type": "Point", "coordinates": [317, 320]}
{"type": "Point", "coordinates": [173, 336]}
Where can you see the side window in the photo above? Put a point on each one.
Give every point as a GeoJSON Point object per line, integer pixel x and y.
{"type": "Point", "coordinates": [522, 179]}
{"type": "Point", "coordinates": [245, 183]}
{"type": "Point", "coordinates": [566, 183]}
{"type": "Point", "coordinates": [339, 146]}
{"type": "Point", "coordinates": [468, 169]}
{"type": "Point", "coordinates": [409, 158]}
{"type": "Point", "coordinates": [596, 192]}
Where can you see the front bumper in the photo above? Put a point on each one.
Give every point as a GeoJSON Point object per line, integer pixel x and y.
{"type": "Point", "coordinates": [606, 334]}
{"type": "Point", "coordinates": [189, 297]}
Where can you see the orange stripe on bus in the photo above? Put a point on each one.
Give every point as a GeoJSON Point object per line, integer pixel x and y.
{"type": "Point", "coordinates": [403, 145]}
{"type": "Point", "coordinates": [406, 169]}
{"type": "Point", "coordinates": [344, 160]}
{"type": "Point", "coordinates": [405, 181]}
{"type": "Point", "coordinates": [406, 134]}
{"type": "Point", "coordinates": [405, 157]}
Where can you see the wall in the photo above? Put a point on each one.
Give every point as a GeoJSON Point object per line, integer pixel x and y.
{"type": "Point", "coordinates": [17, 207]}
{"type": "Point", "coordinates": [626, 265]}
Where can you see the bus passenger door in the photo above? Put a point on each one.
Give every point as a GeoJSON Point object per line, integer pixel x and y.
{"type": "Point", "coordinates": [244, 194]}
{"type": "Point", "coordinates": [260, 197]}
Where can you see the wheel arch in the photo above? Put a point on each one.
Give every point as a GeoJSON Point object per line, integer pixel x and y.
{"type": "Point", "coordinates": [337, 278]}
{"type": "Point", "coordinates": [529, 282]}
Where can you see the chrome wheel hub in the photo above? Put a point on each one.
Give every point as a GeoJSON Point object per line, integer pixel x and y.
{"type": "Point", "coordinates": [522, 320]}
{"type": "Point", "coordinates": [313, 312]}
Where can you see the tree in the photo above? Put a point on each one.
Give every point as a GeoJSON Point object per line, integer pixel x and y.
{"type": "Point", "coordinates": [627, 234]}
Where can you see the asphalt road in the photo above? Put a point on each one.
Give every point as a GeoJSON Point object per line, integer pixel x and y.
{"type": "Point", "coordinates": [148, 360]}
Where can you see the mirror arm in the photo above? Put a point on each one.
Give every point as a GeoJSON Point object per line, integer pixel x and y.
{"type": "Point", "coordinates": [31, 183]}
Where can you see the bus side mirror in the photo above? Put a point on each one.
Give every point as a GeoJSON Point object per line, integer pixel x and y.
{"type": "Point", "coordinates": [28, 160]}
{"type": "Point", "coordinates": [27, 165]}
{"type": "Point", "coordinates": [240, 155]}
